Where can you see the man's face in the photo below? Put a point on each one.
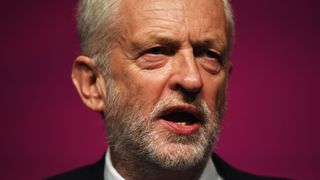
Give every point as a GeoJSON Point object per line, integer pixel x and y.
{"type": "Point", "coordinates": [166, 91]}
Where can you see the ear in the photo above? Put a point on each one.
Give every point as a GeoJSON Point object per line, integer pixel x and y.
{"type": "Point", "coordinates": [89, 83]}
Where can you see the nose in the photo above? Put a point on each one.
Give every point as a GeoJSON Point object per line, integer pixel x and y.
{"type": "Point", "coordinates": [186, 75]}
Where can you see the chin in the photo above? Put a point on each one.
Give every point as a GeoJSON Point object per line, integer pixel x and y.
{"type": "Point", "coordinates": [167, 150]}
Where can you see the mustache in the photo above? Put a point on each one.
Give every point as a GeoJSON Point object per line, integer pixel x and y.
{"type": "Point", "coordinates": [176, 101]}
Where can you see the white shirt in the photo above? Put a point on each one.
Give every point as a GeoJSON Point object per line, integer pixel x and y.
{"type": "Point", "coordinates": [110, 173]}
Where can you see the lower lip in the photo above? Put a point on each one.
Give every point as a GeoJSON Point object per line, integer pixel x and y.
{"type": "Point", "coordinates": [181, 129]}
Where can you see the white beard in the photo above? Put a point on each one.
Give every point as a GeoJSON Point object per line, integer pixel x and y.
{"type": "Point", "coordinates": [130, 133]}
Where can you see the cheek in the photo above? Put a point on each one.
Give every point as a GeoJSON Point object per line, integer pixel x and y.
{"type": "Point", "coordinates": [152, 84]}
{"type": "Point", "coordinates": [147, 86]}
{"type": "Point", "coordinates": [214, 92]}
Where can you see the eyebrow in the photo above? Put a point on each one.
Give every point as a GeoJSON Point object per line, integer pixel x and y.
{"type": "Point", "coordinates": [154, 40]}
{"type": "Point", "coordinates": [208, 43]}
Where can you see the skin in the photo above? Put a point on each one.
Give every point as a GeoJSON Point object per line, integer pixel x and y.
{"type": "Point", "coordinates": [162, 74]}
{"type": "Point", "coordinates": [165, 48]}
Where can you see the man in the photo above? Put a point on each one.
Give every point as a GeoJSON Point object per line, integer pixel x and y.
{"type": "Point", "coordinates": [157, 70]}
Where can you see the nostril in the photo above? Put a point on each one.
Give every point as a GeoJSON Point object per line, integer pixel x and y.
{"type": "Point", "coordinates": [187, 94]}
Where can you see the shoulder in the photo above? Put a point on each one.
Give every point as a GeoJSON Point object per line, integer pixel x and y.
{"type": "Point", "coordinates": [89, 172]}
{"type": "Point", "coordinates": [95, 171]}
{"type": "Point", "coordinates": [228, 172]}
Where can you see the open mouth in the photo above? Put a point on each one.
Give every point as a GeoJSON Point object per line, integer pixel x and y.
{"type": "Point", "coordinates": [182, 120]}
{"type": "Point", "coordinates": [181, 117]}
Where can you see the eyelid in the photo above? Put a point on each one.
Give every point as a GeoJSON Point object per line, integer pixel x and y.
{"type": "Point", "coordinates": [155, 50]}
{"type": "Point", "coordinates": [209, 53]}
{"type": "Point", "coordinates": [201, 52]}
{"type": "Point", "coordinates": [159, 50]}
{"type": "Point", "coordinates": [214, 53]}
{"type": "Point", "coordinates": [219, 56]}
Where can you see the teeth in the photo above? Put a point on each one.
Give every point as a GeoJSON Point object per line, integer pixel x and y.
{"type": "Point", "coordinates": [181, 123]}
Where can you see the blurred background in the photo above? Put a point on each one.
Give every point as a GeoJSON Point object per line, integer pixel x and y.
{"type": "Point", "coordinates": [272, 126]}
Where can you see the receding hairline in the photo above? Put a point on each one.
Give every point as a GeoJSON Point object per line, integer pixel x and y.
{"type": "Point", "coordinates": [99, 22]}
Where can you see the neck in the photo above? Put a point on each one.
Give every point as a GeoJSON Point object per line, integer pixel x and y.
{"type": "Point", "coordinates": [133, 168]}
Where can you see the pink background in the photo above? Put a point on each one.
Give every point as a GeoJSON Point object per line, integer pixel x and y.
{"type": "Point", "coordinates": [271, 127]}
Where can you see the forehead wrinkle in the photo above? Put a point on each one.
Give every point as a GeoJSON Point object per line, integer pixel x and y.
{"type": "Point", "coordinates": [163, 19]}
{"type": "Point", "coordinates": [161, 8]}
{"type": "Point", "coordinates": [201, 25]}
{"type": "Point", "coordinates": [162, 14]}
{"type": "Point", "coordinates": [189, 27]}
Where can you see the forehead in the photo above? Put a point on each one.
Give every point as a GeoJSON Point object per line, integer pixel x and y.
{"type": "Point", "coordinates": [188, 18]}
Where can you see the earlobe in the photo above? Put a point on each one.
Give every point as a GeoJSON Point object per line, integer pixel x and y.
{"type": "Point", "coordinates": [89, 83]}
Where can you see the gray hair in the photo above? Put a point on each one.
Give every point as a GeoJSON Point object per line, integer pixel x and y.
{"type": "Point", "coordinates": [97, 22]}
{"type": "Point", "coordinates": [230, 25]}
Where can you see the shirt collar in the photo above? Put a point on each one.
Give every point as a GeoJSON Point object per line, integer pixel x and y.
{"type": "Point", "coordinates": [110, 173]}
{"type": "Point", "coordinates": [210, 172]}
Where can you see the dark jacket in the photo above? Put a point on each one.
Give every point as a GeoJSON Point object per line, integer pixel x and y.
{"type": "Point", "coordinates": [96, 171]}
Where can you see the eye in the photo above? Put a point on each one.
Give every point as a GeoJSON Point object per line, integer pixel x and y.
{"type": "Point", "coordinates": [156, 50]}
{"type": "Point", "coordinates": [210, 60]}
{"type": "Point", "coordinates": [159, 50]}
{"type": "Point", "coordinates": [212, 54]}
{"type": "Point", "coordinates": [153, 58]}
{"type": "Point", "coordinates": [154, 54]}
{"type": "Point", "coordinates": [208, 54]}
